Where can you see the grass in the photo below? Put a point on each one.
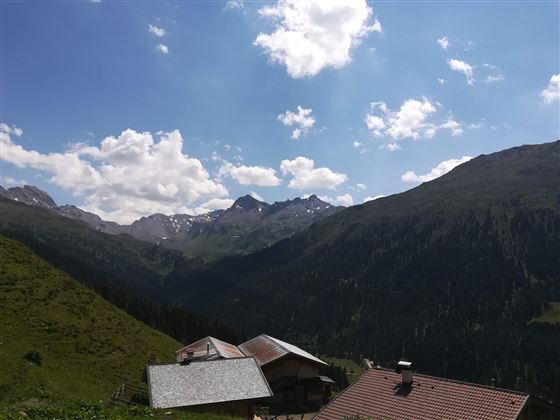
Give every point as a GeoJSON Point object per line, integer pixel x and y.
{"type": "Point", "coordinates": [551, 316]}
{"type": "Point", "coordinates": [60, 341]}
{"type": "Point", "coordinates": [86, 410]}
{"type": "Point", "coordinates": [353, 370]}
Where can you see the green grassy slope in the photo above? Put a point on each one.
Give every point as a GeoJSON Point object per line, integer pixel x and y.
{"type": "Point", "coordinates": [551, 315]}
{"type": "Point", "coordinates": [87, 346]}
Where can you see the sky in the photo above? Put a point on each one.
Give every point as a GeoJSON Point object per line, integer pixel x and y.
{"type": "Point", "coordinates": [132, 108]}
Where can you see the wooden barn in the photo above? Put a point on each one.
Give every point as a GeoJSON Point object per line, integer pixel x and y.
{"type": "Point", "coordinates": [292, 373]}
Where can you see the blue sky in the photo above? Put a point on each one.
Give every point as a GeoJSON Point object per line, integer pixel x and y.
{"type": "Point", "coordinates": [209, 93]}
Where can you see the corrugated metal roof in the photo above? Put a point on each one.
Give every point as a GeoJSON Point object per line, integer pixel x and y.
{"type": "Point", "coordinates": [267, 349]}
{"type": "Point", "coordinates": [217, 348]}
{"type": "Point", "coordinates": [378, 394]}
{"type": "Point", "coordinates": [206, 382]}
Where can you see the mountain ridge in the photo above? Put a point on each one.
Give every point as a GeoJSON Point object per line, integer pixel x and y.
{"type": "Point", "coordinates": [248, 225]}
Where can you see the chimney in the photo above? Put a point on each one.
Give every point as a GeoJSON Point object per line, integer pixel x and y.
{"type": "Point", "coordinates": [207, 349]}
{"type": "Point", "coordinates": [405, 369]}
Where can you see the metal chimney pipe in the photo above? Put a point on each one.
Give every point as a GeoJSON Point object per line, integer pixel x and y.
{"type": "Point", "coordinates": [405, 369]}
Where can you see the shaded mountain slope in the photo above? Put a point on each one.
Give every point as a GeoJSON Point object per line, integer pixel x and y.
{"type": "Point", "coordinates": [86, 254]}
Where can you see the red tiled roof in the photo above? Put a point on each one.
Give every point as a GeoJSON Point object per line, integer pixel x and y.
{"type": "Point", "coordinates": [217, 347]}
{"type": "Point", "coordinates": [378, 394]}
{"type": "Point", "coordinates": [267, 349]}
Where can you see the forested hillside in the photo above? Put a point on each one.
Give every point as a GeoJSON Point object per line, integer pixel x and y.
{"type": "Point", "coordinates": [448, 274]}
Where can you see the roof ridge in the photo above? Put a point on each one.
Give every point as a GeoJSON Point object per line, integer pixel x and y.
{"type": "Point", "coordinates": [458, 381]}
{"type": "Point", "coordinates": [275, 341]}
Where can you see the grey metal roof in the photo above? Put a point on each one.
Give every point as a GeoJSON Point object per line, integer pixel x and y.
{"type": "Point", "coordinates": [206, 382]}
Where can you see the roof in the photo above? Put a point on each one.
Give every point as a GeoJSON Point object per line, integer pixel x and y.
{"type": "Point", "coordinates": [378, 394]}
{"type": "Point", "coordinates": [217, 348]}
{"type": "Point", "coordinates": [206, 382]}
{"type": "Point", "coordinates": [267, 349]}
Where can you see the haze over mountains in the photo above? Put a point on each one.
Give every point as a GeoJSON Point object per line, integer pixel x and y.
{"type": "Point", "coordinates": [248, 225]}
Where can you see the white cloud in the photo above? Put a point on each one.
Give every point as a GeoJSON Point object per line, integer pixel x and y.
{"type": "Point", "coordinates": [159, 32]}
{"type": "Point", "coordinates": [234, 5]}
{"type": "Point", "coordinates": [303, 120]}
{"type": "Point", "coordinates": [356, 144]}
{"type": "Point", "coordinates": [6, 129]}
{"type": "Point", "coordinates": [441, 81]}
{"type": "Point", "coordinates": [453, 126]}
{"type": "Point", "coordinates": [162, 49]}
{"type": "Point", "coordinates": [345, 200]}
{"type": "Point", "coordinates": [305, 175]}
{"type": "Point", "coordinates": [125, 177]}
{"type": "Point", "coordinates": [391, 147]}
{"type": "Point", "coordinates": [462, 67]}
{"type": "Point", "coordinates": [373, 198]}
{"type": "Point", "coordinates": [412, 120]}
{"type": "Point", "coordinates": [439, 170]}
{"type": "Point", "coordinates": [256, 196]}
{"type": "Point", "coordinates": [8, 181]}
{"type": "Point", "coordinates": [444, 42]}
{"type": "Point", "coordinates": [251, 175]}
{"type": "Point", "coordinates": [312, 35]}
{"type": "Point", "coordinates": [213, 204]}
{"type": "Point", "coordinates": [552, 91]}
{"type": "Point", "coordinates": [494, 78]}
{"type": "Point", "coordinates": [361, 186]}
{"type": "Point", "coordinates": [495, 74]}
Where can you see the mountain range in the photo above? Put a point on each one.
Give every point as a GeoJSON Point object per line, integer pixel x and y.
{"type": "Point", "coordinates": [248, 225]}
{"type": "Point", "coordinates": [454, 274]}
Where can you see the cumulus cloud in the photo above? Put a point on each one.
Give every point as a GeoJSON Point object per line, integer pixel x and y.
{"type": "Point", "coordinates": [251, 175]}
{"type": "Point", "coordinates": [162, 48]}
{"type": "Point", "coordinates": [159, 32]}
{"type": "Point", "coordinates": [127, 176]}
{"type": "Point", "coordinates": [552, 92]}
{"type": "Point", "coordinates": [345, 200]}
{"type": "Point", "coordinates": [413, 120]}
{"type": "Point", "coordinates": [373, 198]}
{"type": "Point", "coordinates": [213, 204]}
{"type": "Point", "coordinates": [439, 170]}
{"type": "Point", "coordinates": [444, 42]}
{"type": "Point", "coordinates": [309, 36]}
{"type": "Point", "coordinates": [302, 120]}
{"type": "Point", "coordinates": [462, 67]}
{"type": "Point", "coordinates": [305, 175]}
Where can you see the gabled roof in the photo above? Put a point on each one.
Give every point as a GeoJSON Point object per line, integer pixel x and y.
{"type": "Point", "coordinates": [218, 348]}
{"type": "Point", "coordinates": [267, 349]}
{"type": "Point", "coordinates": [378, 393]}
{"type": "Point", "coordinates": [206, 382]}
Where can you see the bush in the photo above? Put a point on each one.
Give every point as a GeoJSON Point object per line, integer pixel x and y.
{"type": "Point", "coordinates": [34, 357]}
